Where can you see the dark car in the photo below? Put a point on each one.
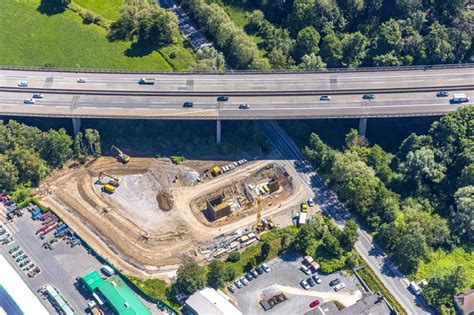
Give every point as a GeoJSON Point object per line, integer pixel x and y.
{"type": "Point", "coordinates": [222, 98]}
{"type": "Point", "coordinates": [442, 94]}
{"type": "Point", "coordinates": [188, 104]}
{"type": "Point", "coordinates": [244, 106]}
{"type": "Point", "coordinates": [368, 96]}
{"type": "Point", "coordinates": [259, 270]}
{"type": "Point", "coordinates": [325, 98]}
{"type": "Point", "coordinates": [314, 303]}
{"type": "Point", "coordinates": [311, 282]}
{"type": "Point", "coordinates": [249, 276]}
{"type": "Point", "coordinates": [254, 273]}
{"type": "Point", "coordinates": [334, 282]}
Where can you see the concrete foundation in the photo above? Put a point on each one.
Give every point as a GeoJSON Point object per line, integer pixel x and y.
{"type": "Point", "coordinates": [76, 125]}
{"type": "Point", "coordinates": [362, 126]}
{"type": "Point", "coordinates": [218, 131]}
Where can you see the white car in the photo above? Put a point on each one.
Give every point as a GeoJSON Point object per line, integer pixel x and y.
{"type": "Point", "coordinates": [81, 80]}
{"type": "Point", "coordinates": [238, 283]}
{"type": "Point", "coordinates": [244, 281]}
{"type": "Point", "coordinates": [305, 269]}
{"type": "Point", "coordinates": [310, 202]}
{"type": "Point", "coordinates": [265, 267]}
{"type": "Point", "coordinates": [304, 284]}
{"type": "Point", "coordinates": [23, 84]}
{"type": "Point", "coordinates": [29, 101]}
{"type": "Point", "coordinates": [339, 287]}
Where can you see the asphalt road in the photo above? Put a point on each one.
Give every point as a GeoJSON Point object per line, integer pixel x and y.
{"type": "Point", "coordinates": [374, 257]}
{"type": "Point", "coordinates": [270, 96]}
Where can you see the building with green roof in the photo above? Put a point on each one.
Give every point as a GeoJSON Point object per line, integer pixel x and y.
{"type": "Point", "coordinates": [115, 293]}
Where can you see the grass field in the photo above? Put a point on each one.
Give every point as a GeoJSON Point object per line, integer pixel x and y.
{"type": "Point", "coordinates": [31, 38]}
{"type": "Point", "coordinates": [108, 9]}
{"type": "Point", "coordinates": [442, 262]}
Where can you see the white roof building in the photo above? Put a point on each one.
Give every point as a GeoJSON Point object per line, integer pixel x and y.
{"type": "Point", "coordinates": [210, 302]}
{"type": "Point", "coordinates": [15, 294]}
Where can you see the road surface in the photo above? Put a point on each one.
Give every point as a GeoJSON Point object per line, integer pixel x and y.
{"type": "Point", "coordinates": [365, 246]}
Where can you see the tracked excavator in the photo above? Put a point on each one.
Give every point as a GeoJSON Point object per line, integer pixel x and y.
{"type": "Point", "coordinates": [122, 157]}
{"type": "Point", "coordinates": [105, 179]}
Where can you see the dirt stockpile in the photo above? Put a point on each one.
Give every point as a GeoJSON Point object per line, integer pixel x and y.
{"type": "Point", "coordinates": [165, 200]}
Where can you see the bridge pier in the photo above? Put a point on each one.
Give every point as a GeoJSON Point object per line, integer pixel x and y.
{"type": "Point", "coordinates": [362, 126]}
{"type": "Point", "coordinates": [218, 132]}
{"type": "Point", "coordinates": [76, 125]}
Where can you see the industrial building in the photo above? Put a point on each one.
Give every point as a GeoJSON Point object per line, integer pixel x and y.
{"type": "Point", "coordinates": [113, 294]}
{"type": "Point", "coordinates": [218, 208]}
{"type": "Point", "coordinates": [15, 296]}
{"type": "Point", "coordinates": [209, 302]}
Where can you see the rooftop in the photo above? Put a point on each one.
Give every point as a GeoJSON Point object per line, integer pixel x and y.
{"type": "Point", "coordinates": [465, 301]}
{"type": "Point", "coordinates": [210, 302]}
{"type": "Point", "coordinates": [92, 280]}
{"type": "Point", "coordinates": [370, 304]}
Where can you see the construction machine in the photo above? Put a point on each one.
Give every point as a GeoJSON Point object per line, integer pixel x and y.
{"type": "Point", "coordinates": [105, 179]}
{"type": "Point", "coordinates": [122, 157]}
{"type": "Point", "coordinates": [259, 226]}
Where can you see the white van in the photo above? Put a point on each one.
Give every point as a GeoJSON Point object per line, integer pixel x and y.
{"type": "Point", "coordinates": [414, 288]}
{"type": "Point", "coordinates": [106, 270]}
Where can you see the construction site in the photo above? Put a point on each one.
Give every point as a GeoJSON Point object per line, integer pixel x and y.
{"type": "Point", "coordinates": [147, 215]}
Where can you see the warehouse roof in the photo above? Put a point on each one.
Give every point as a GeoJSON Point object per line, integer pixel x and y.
{"type": "Point", "coordinates": [92, 280]}
{"type": "Point", "coordinates": [210, 302]}
{"type": "Point", "coordinates": [121, 297]}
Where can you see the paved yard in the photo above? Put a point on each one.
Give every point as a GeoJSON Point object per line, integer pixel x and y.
{"type": "Point", "coordinates": [286, 276]}
{"type": "Point", "coordinates": [59, 267]}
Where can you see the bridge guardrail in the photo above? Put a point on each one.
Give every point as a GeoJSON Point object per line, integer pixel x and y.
{"type": "Point", "coordinates": [237, 72]}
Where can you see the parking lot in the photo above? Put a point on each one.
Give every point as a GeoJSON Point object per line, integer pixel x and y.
{"type": "Point", "coordinates": [285, 276]}
{"type": "Point", "coordinates": [59, 267]}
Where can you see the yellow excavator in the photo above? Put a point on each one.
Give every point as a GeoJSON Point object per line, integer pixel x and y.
{"type": "Point", "coordinates": [122, 157]}
{"type": "Point", "coordinates": [259, 227]}
{"type": "Point", "coordinates": [108, 179]}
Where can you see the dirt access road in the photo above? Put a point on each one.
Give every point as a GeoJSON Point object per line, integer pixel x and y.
{"type": "Point", "coordinates": [130, 242]}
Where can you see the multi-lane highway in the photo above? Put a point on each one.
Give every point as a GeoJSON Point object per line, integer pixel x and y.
{"type": "Point", "coordinates": [270, 96]}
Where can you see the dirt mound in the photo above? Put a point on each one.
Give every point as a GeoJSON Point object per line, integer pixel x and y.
{"type": "Point", "coordinates": [165, 200]}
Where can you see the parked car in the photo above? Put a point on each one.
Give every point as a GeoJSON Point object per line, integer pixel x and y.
{"type": "Point", "coordinates": [310, 202]}
{"type": "Point", "coordinates": [24, 263]}
{"type": "Point", "coordinates": [22, 257]}
{"type": "Point", "coordinates": [311, 282]}
{"type": "Point", "coordinates": [222, 98]}
{"type": "Point", "coordinates": [325, 98]}
{"type": "Point", "coordinates": [244, 281]}
{"type": "Point", "coordinates": [259, 270]}
{"type": "Point", "coordinates": [238, 283]}
{"type": "Point", "coordinates": [334, 282]}
{"type": "Point", "coordinates": [339, 287]}
{"type": "Point", "coordinates": [304, 284]}
{"type": "Point", "coordinates": [317, 279]}
{"type": "Point", "coordinates": [314, 303]}
{"type": "Point", "coordinates": [244, 106]}
{"type": "Point", "coordinates": [442, 94]}
{"type": "Point", "coordinates": [249, 276]}
{"type": "Point", "coordinates": [232, 288]}
{"type": "Point", "coordinates": [305, 269]}
{"type": "Point", "coordinates": [254, 273]}
{"type": "Point", "coordinates": [368, 96]}
{"type": "Point", "coordinates": [265, 267]}
{"type": "Point", "coordinates": [14, 249]}
{"type": "Point", "coordinates": [188, 104]}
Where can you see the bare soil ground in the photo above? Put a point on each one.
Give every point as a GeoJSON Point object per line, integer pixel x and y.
{"type": "Point", "coordinates": [147, 227]}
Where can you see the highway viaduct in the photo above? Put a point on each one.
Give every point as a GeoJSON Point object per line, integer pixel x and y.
{"type": "Point", "coordinates": [286, 95]}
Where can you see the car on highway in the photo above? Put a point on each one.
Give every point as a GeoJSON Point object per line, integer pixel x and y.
{"type": "Point", "coordinates": [442, 94]}
{"type": "Point", "coordinates": [265, 267]}
{"type": "Point", "coordinates": [314, 303]}
{"type": "Point", "coordinates": [188, 104]}
{"type": "Point", "coordinates": [37, 95]}
{"type": "Point", "coordinates": [339, 287]}
{"type": "Point", "coordinates": [334, 282]}
{"type": "Point", "coordinates": [23, 84]}
{"type": "Point", "coordinates": [244, 106]}
{"type": "Point", "coordinates": [29, 101]}
{"type": "Point", "coordinates": [238, 283]}
{"type": "Point", "coordinates": [304, 284]}
{"type": "Point", "coordinates": [232, 288]}
{"type": "Point", "coordinates": [311, 282]}
{"type": "Point", "coordinates": [146, 81]}
{"type": "Point", "coordinates": [81, 80]}
{"type": "Point", "coordinates": [222, 98]}
{"type": "Point", "coordinates": [325, 98]}
{"type": "Point", "coordinates": [368, 96]}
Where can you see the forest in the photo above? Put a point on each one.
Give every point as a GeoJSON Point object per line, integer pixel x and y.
{"type": "Point", "coordinates": [414, 202]}
{"type": "Point", "coordinates": [315, 34]}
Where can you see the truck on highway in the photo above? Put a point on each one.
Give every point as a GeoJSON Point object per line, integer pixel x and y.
{"type": "Point", "coordinates": [148, 81]}
{"type": "Point", "coordinates": [459, 98]}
